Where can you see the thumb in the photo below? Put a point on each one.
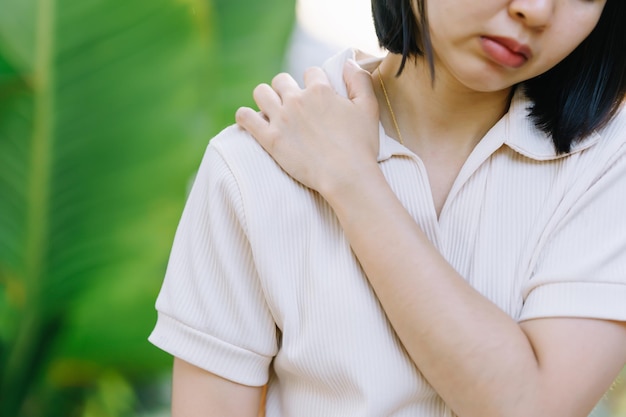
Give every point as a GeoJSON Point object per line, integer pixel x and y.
{"type": "Point", "coordinates": [358, 82]}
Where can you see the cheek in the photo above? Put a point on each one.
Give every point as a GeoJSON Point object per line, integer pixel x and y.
{"type": "Point", "coordinates": [565, 41]}
{"type": "Point", "coordinates": [582, 25]}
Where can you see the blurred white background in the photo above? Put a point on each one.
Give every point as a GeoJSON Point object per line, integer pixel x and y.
{"type": "Point", "coordinates": [325, 27]}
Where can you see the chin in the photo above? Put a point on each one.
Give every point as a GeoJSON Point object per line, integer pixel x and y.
{"type": "Point", "coordinates": [487, 77]}
{"type": "Point", "coordinates": [489, 86]}
{"type": "Point", "coordinates": [489, 81]}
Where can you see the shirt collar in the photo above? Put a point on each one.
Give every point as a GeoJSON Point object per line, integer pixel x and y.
{"type": "Point", "coordinates": [525, 138]}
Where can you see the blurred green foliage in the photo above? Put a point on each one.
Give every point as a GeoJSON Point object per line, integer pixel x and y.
{"type": "Point", "coordinates": [105, 110]}
{"type": "Point", "coordinates": [616, 397]}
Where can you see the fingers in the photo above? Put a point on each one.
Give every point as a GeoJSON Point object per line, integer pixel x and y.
{"type": "Point", "coordinates": [315, 75]}
{"type": "Point", "coordinates": [271, 99]}
{"type": "Point", "coordinates": [253, 122]}
{"type": "Point", "coordinates": [266, 98]}
{"type": "Point", "coordinates": [278, 99]}
{"type": "Point", "coordinates": [358, 82]}
{"type": "Point", "coordinates": [284, 85]}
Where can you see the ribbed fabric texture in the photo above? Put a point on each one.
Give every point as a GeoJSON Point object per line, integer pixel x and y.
{"type": "Point", "coordinates": [262, 282]}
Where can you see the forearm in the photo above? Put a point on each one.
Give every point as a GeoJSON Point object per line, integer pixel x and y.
{"type": "Point", "coordinates": [475, 356]}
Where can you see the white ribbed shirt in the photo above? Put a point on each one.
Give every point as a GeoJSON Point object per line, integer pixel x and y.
{"type": "Point", "coordinates": [262, 282]}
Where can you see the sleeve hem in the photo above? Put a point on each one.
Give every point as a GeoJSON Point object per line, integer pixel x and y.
{"type": "Point", "coordinates": [209, 353]}
{"type": "Point", "coordinates": [606, 301]}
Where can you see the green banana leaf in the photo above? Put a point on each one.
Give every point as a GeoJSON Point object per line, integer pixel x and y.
{"type": "Point", "coordinates": [105, 110]}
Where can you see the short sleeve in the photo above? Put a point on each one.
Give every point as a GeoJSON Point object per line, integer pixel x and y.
{"type": "Point", "coordinates": [581, 269]}
{"type": "Point", "coordinates": [211, 308]}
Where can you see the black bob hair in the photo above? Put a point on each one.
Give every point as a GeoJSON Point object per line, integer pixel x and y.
{"type": "Point", "coordinates": [579, 95]}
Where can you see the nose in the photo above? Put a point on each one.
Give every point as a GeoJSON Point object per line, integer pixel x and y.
{"type": "Point", "coordinates": [532, 13]}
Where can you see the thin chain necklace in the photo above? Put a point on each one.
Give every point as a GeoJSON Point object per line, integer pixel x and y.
{"type": "Point", "coordinates": [393, 115]}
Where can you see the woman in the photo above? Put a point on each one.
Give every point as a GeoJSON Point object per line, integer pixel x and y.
{"type": "Point", "coordinates": [490, 235]}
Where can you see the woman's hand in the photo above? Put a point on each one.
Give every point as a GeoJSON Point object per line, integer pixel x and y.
{"type": "Point", "coordinates": [320, 138]}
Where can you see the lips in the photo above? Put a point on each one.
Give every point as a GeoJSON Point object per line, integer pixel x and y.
{"type": "Point", "coordinates": [505, 51]}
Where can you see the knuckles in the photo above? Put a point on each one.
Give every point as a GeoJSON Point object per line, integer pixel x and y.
{"type": "Point", "coordinates": [260, 92]}
{"type": "Point", "coordinates": [282, 79]}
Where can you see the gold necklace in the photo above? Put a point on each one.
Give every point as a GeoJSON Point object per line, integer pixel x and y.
{"type": "Point", "coordinates": [393, 115]}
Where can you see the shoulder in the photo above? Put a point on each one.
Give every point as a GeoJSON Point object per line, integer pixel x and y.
{"type": "Point", "coordinates": [334, 67]}
{"type": "Point", "coordinates": [234, 140]}
{"type": "Point", "coordinates": [244, 159]}
{"type": "Point", "coordinates": [611, 142]}
{"type": "Point", "coordinates": [615, 129]}
{"type": "Point", "coordinates": [236, 159]}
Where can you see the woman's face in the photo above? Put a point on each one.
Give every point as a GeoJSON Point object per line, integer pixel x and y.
{"type": "Point", "coordinates": [490, 45]}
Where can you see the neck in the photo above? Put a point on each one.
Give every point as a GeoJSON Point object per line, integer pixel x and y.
{"type": "Point", "coordinates": [443, 115]}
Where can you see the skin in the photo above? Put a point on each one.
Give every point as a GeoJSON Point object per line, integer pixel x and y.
{"type": "Point", "coordinates": [197, 392]}
{"type": "Point", "coordinates": [493, 365]}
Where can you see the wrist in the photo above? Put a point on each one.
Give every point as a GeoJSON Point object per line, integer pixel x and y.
{"type": "Point", "coordinates": [352, 185]}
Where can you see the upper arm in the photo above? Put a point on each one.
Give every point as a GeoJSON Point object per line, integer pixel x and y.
{"type": "Point", "coordinates": [578, 361]}
{"type": "Point", "coordinates": [212, 308]}
{"type": "Point", "coordinates": [197, 392]}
